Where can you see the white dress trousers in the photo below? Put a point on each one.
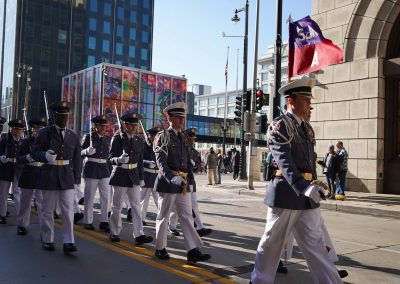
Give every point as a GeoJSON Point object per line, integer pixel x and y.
{"type": "Point", "coordinates": [184, 210]}
{"type": "Point", "coordinates": [49, 203]}
{"type": "Point", "coordinates": [144, 199]}
{"type": "Point", "coordinates": [195, 207]}
{"type": "Point", "coordinates": [77, 190]}
{"type": "Point", "coordinates": [91, 186]}
{"type": "Point", "coordinates": [173, 218]}
{"type": "Point", "coordinates": [306, 227]}
{"type": "Point", "coordinates": [133, 194]}
{"type": "Point", "coordinates": [24, 214]}
{"type": "Point", "coordinates": [4, 188]}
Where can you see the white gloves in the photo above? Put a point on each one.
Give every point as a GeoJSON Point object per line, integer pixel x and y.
{"type": "Point", "coordinates": [141, 183]}
{"type": "Point", "coordinates": [314, 192]}
{"type": "Point", "coordinates": [123, 159]}
{"type": "Point", "coordinates": [3, 159]}
{"type": "Point", "coordinates": [29, 158]}
{"type": "Point", "coordinates": [190, 187]}
{"type": "Point", "coordinates": [90, 151]}
{"type": "Point", "coordinates": [51, 156]}
{"type": "Point", "coordinates": [152, 165]}
{"type": "Point", "coordinates": [177, 180]}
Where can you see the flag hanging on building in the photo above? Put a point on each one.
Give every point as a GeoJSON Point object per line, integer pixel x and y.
{"type": "Point", "coordinates": [226, 69]}
{"type": "Point", "coordinates": [308, 49]}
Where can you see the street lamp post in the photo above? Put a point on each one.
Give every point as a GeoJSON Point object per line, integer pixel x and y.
{"type": "Point", "coordinates": [242, 168]}
{"type": "Point", "coordinates": [22, 71]}
{"type": "Point", "coordinates": [277, 59]}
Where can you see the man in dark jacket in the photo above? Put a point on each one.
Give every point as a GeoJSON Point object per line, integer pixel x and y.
{"type": "Point", "coordinates": [29, 176]}
{"type": "Point", "coordinates": [96, 173]}
{"type": "Point", "coordinates": [330, 168]}
{"type": "Point", "coordinates": [126, 156]}
{"type": "Point", "coordinates": [59, 149]}
{"type": "Point", "coordinates": [9, 169]}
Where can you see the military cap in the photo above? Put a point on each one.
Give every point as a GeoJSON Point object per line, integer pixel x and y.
{"type": "Point", "coordinates": [154, 130]}
{"type": "Point", "coordinates": [2, 120]}
{"type": "Point", "coordinates": [131, 117]}
{"type": "Point", "coordinates": [191, 132]}
{"type": "Point", "coordinates": [301, 87]}
{"type": "Point", "coordinates": [60, 107]}
{"type": "Point", "coordinates": [178, 109]}
{"type": "Point", "coordinates": [100, 119]}
{"type": "Point", "coordinates": [38, 122]}
{"type": "Point", "coordinates": [17, 123]}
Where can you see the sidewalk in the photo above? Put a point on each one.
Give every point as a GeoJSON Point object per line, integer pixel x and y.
{"type": "Point", "coordinates": [382, 205]}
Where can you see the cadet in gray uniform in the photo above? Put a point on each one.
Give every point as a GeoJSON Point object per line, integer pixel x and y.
{"type": "Point", "coordinates": [126, 156]}
{"type": "Point", "coordinates": [173, 182]}
{"type": "Point", "coordinates": [10, 171]}
{"type": "Point", "coordinates": [292, 196]}
{"type": "Point", "coordinates": [150, 173]}
{"type": "Point", "coordinates": [96, 173]}
{"type": "Point", "coordinates": [59, 149]}
{"type": "Point", "coordinates": [29, 176]}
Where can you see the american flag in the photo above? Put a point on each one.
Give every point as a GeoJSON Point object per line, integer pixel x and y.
{"type": "Point", "coordinates": [226, 72]}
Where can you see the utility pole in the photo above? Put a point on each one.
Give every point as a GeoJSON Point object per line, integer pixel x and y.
{"type": "Point", "coordinates": [278, 56]}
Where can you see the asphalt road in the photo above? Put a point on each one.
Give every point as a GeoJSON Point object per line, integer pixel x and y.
{"type": "Point", "coordinates": [368, 248]}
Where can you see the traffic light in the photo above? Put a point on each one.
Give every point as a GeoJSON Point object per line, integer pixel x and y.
{"type": "Point", "coordinates": [247, 100]}
{"type": "Point", "coordinates": [259, 99]}
{"type": "Point", "coordinates": [238, 110]}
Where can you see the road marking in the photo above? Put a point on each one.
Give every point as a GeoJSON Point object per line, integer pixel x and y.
{"type": "Point", "coordinates": [369, 246]}
{"type": "Point", "coordinates": [142, 254]}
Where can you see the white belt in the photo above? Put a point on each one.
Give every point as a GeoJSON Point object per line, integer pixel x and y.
{"type": "Point", "coordinates": [128, 166]}
{"type": "Point", "coordinates": [59, 163]}
{"type": "Point", "coordinates": [154, 171]}
{"type": "Point", "coordinates": [100, 161]}
{"type": "Point", "coordinates": [35, 164]}
{"type": "Point", "coordinates": [12, 160]}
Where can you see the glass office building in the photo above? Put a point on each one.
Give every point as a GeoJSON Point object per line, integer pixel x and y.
{"type": "Point", "coordinates": [45, 40]}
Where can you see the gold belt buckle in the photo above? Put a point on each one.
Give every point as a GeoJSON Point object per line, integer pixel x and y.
{"type": "Point", "coordinates": [308, 176]}
{"type": "Point", "coordinates": [59, 162]}
{"type": "Point", "coordinates": [130, 166]}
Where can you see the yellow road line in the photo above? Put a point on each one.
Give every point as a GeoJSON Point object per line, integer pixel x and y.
{"type": "Point", "coordinates": [135, 256]}
{"type": "Point", "coordinates": [147, 252]}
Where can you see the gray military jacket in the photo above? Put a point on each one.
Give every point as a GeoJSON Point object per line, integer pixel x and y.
{"type": "Point", "coordinates": [58, 177]}
{"type": "Point", "coordinates": [292, 159]}
{"type": "Point", "coordinates": [178, 158]}
{"type": "Point", "coordinates": [93, 169]}
{"type": "Point", "coordinates": [134, 148]}
{"type": "Point", "coordinates": [150, 174]}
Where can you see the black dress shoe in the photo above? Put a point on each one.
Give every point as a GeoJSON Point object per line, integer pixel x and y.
{"type": "Point", "coordinates": [81, 201]}
{"type": "Point", "coordinates": [3, 220]}
{"type": "Point", "coordinates": [129, 215]}
{"type": "Point", "coordinates": [114, 238]}
{"type": "Point", "coordinates": [195, 255]}
{"type": "Point", "coordinates": [104, 227]}
{"type": "Point", "coordinates": [70, 247]}
{"type": "Point", "coordinates": [162, 254]}
{"type": "Point", "coordinates": [78, 217]}
{"type": "Point", "coordinates": [281, 268]}
{"type": "Point", "coordinates": [143, 239]}
{"type": "Point", "coordinates": [48, 246]}
{"type": "Point", "coordinates": [204, 232]}
{"type": "Point", "coordinates": [21, 231]}
{"type": "Point", "coordinates": [144, 223]}
{"type": "Point", "coordinates": [343, 273]}
{"type": "Point", "coordinates": [89, 227]}
{"type": "Point", "coordinates": [174, 232]}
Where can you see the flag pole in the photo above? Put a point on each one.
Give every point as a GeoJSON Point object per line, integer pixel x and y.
{"type": "Point", "coordinates": [224, 127]}
{"type": "Point", "coordinates": [277, 59]}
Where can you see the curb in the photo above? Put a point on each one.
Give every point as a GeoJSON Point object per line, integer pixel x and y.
{"type": "Point", "coordinates": [340, 207]}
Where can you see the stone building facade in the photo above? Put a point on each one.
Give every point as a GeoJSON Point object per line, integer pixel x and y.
{"type": "Point", "coordinates": [358, 101]}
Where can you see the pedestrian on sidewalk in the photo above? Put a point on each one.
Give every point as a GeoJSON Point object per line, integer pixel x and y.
{"type": "Point", "coordinates": [220, 166]}
{"type": "Point", "coordinates": [211, 166]}
{"type": "Point", "coordinates": [235, 163]}
{"type": "Point", "coordinates": [330, 168]}
{"type": "Point", "coordinates": [343, 157]}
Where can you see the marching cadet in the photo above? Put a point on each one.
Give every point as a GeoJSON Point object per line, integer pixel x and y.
{"type": "Point", "coordinates": [59, 149]}
{"type": "Point", "coordinates": [96, 173]}
{"type": "Point", "coordinates": [191, 134]}
{"type": "Point", "coordinates": [150, 173]}
{"type": "Point", "coordinates": [293, 195]}
{"type": "Point", "coordinates": [174, 180]}
{"type": "Point", "coordinates": [126, 156]}
{"type": "Point", "coordinates": [9, 169]}
{"type": "Point", "coordinates": [29, 176]}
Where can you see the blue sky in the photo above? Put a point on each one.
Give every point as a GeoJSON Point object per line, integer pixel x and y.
{"type": "Point", "coordinates": [187, 37]}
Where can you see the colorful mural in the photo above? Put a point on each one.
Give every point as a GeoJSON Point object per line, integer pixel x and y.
{"type": "Point", "coordinates": [112, 83]}
{"type": "Point", "coordinates": [130, 86]}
